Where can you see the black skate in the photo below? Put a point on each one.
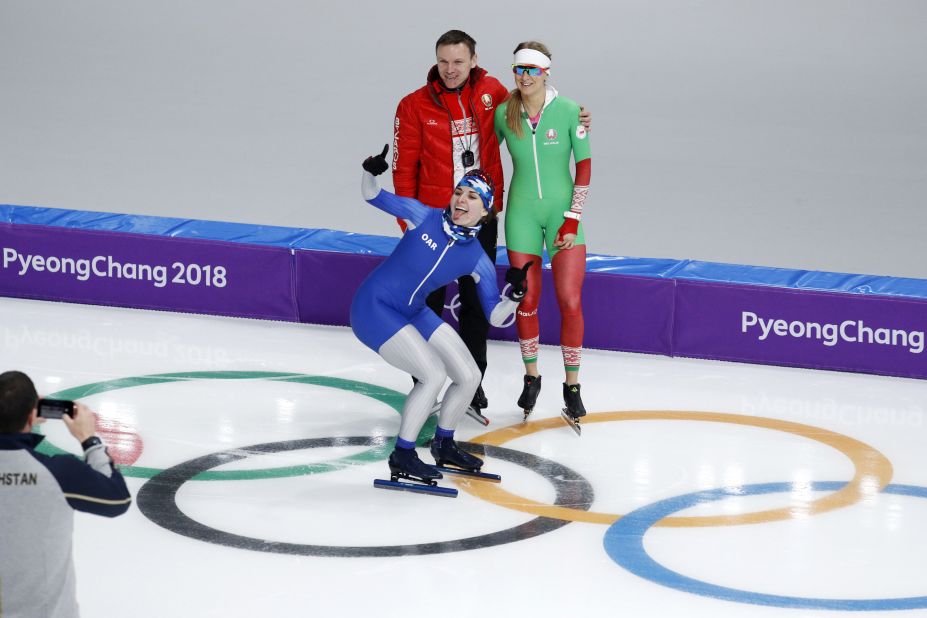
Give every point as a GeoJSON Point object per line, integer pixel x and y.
{"type": "Point", "coordinates": [450, 458]}
{"type": "Point", "coordinates": [479, 403]}
{"type": "Point", "coordinates": [529, 394]}
{"type": "Point", "coordinates": [479, 399]}
{"type": "Point", "coordinates": [405, 464]}
{"type": "Point", "coordinates": [574, 409]}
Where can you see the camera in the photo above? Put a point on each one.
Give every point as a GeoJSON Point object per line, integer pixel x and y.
{"type": "Point", "coordinates": [55, 408]}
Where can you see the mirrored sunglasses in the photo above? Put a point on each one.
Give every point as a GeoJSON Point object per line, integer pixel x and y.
{"type": "Point", "coordinates": [521, 69]}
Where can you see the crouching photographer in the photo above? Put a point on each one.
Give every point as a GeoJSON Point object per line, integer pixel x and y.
{"type": "Point", "coordinates": [38, 497]}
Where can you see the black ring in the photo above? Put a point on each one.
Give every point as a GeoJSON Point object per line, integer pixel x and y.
{"type": "Point", "coordinates": [157, 501]}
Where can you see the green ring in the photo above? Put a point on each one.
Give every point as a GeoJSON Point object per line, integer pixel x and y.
{"type": "Point", "coordinates": [393, 399]}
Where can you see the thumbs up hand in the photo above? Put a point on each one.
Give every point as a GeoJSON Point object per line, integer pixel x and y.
{"type": "Point", "coordinates": [376, 165]}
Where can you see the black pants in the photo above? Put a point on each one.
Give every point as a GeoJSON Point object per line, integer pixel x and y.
{"type": "Point", "coordinates": [474, 326]}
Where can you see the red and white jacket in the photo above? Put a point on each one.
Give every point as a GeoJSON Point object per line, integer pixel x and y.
{"type": "Point", "coordinates": [427, 150]}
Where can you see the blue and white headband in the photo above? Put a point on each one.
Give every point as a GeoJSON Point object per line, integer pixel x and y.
{"type": "Point", "coordinates": [482, 188]}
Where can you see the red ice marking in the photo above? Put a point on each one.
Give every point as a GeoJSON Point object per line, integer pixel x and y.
{"type": "Point", "coordinates": [123, 442]}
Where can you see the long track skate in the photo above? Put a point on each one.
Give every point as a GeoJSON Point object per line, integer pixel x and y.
{"type": "Point", "coordinates": [408, 473]}
{"type": "Point", "coordinates": [475, 414]}
{"type": "Point", "coordinates": [473, 474]}
{"type": "Point", "coordinates": [529, 395]}
{"type": "Point", "coordinates": [472, 411]}
{"type": "Point", "coordinates": [479, 403]}
{"type": "Point", "coordinates": [450, 458]}
{"type": "Point", "coordinates": [573, 409]}
{"type": "Point", "coordinates": [420, 487]}
{"type": "Point", "coordinates": [572, 422]}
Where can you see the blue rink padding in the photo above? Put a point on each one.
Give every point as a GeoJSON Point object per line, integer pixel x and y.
{"type": "Point", "coordinates": [367, 244]}
{"type": "Point", "coordinates": [750, 314]}
{"type": "Point", "coordinates": [267, 235]}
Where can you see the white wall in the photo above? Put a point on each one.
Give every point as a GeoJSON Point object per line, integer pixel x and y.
{"type": "Point", "coordinates": [777, 132]}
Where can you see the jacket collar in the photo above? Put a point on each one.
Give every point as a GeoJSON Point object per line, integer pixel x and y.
{"type": "Point", "coordinates": [15, 441]}
{"type": "Point", "coordinates": [550, 93]}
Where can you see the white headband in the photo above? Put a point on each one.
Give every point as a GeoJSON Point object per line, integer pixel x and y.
{"type": "Point", "coordinates": [532, 57]}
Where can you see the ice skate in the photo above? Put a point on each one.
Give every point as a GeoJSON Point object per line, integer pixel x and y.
{"type": "Point", "coordinates": [446, 452]}
{"type": "Point", "coordinates": [405, 464]}
{"type": "Point", "coordinates": [479, 399]}
{"type": "Point", "coordinates": [479, 403]}
{"type": "Point", "coordinates": [450, 458]}
{"type": "Point", "coordinates": [529, 394]}
{"type": "Point", "coordinates": [574, 409]}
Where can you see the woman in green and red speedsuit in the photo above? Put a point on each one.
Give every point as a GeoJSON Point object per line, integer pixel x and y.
{"type": "Point", "coordinates": [541, 130]}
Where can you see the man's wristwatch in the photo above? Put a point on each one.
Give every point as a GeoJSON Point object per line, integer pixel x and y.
{"type": "Point", "coordinates": [90, 442]}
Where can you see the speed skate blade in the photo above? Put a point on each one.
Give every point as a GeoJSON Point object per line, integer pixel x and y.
{"type": "Point", "coordinates": [481, 476]}
{"type": "Point", "coordinates": [475, 415]}
{"type": "Point", "coordinates": [572, 422]}
{"type": "Point", "coordinates": [434, 490]}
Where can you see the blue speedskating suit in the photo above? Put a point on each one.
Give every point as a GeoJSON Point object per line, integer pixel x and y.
{"type": "Point", "coordinates": [425, 259]}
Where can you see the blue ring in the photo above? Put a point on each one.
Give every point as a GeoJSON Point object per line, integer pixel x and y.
{"type": "Point", "coordinates": [624, 543]}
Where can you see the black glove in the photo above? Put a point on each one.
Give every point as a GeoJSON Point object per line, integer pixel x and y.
{"type": "Point", "coordinates": [377, 165]}
{"type": "Point", "coordinates": [518, 277]}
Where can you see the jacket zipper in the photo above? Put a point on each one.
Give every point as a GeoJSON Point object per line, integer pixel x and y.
{"type": "Point", "coordinates": [534, 146]}
{"type": "Point", "coordinates": [450, 242]}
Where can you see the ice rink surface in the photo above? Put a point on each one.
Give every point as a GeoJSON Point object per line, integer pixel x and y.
{"type": "Point", "coordinates": [252, 451]}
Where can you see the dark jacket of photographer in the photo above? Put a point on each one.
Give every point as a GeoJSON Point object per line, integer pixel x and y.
{"type": "Point", "coordinates": [38, 497]}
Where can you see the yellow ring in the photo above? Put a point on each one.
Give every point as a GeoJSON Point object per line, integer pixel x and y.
{"type": "Point", "coordinates": [873, 469]}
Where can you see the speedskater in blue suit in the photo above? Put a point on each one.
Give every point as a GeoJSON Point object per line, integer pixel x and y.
{"type": "Point", "coordinates": [389, 314]}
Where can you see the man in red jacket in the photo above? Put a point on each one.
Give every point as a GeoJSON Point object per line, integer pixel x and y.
{"type": "Point", "coordinates": [442, 130]}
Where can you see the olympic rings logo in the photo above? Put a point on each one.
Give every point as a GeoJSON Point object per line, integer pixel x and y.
{"type": "Point", "coordinates": [623, 540]}
{"type": "Point", "coordinates": [454, 307]}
